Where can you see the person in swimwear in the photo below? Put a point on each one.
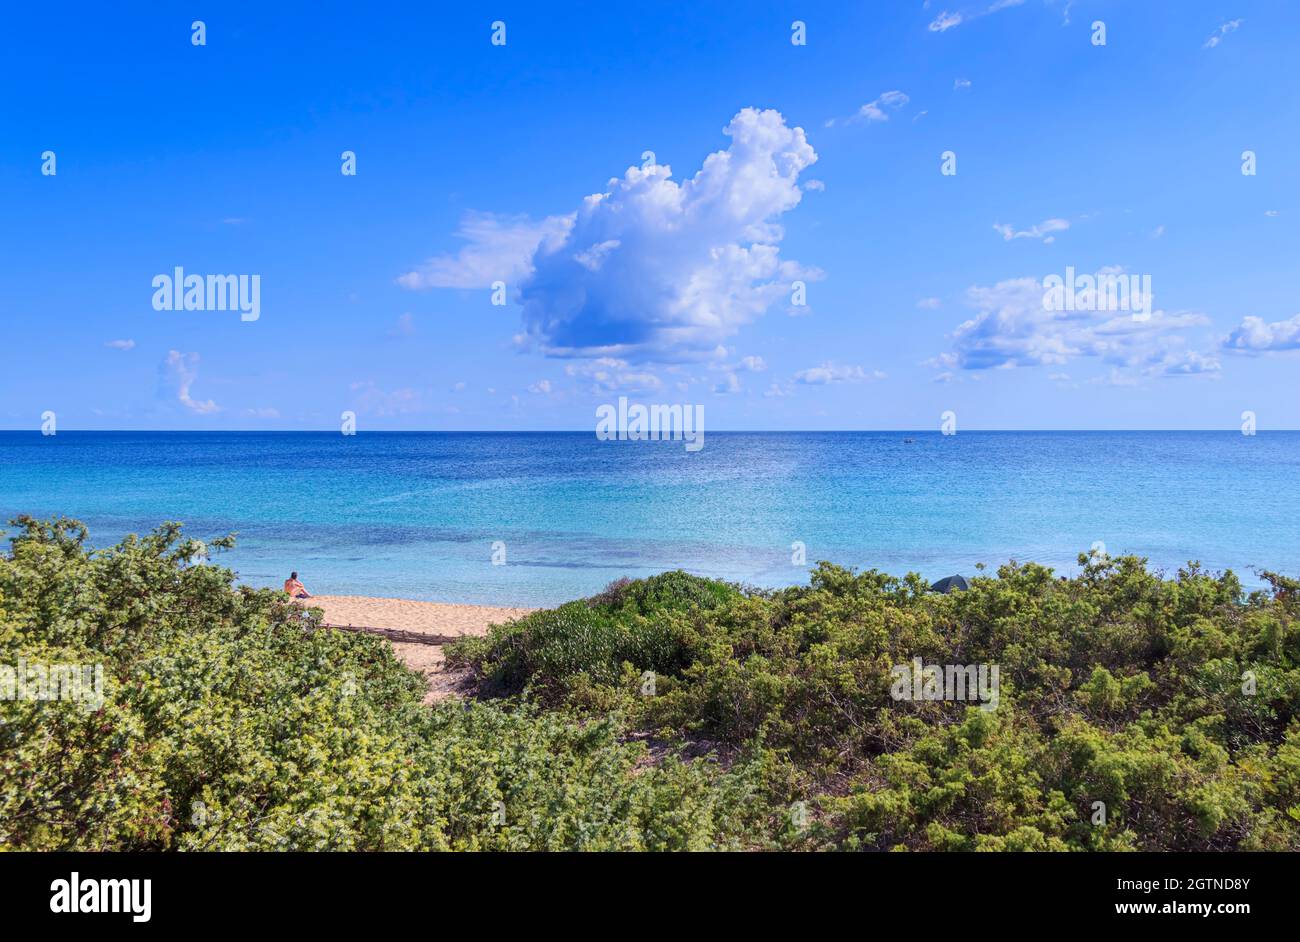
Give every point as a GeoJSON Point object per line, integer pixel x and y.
{"type": "Point", "coordinates": [295, 588]}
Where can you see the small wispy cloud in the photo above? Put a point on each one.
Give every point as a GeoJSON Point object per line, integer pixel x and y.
{"type": "Point", "coordinates": [179, 372]}
{"type": "Point", "coordinates": [875, 110]}
{"type": "Point", "coordinates": [610, 374]}
{"type": "Point", "coordinates": [1185, 363]}
{"type": "Point", "coordinates": [370, 397]}
{"type": "Point", "coordinates": [830, 373]}
{"type": "Point", "coordinates": [1043, 231]}
{"type": "Point", "coordinates": [960, 84]}
{"type": "Point", "coordinates": [945, 21]}
{"type": "Point", "coordinates": [730, 383]}
{"type": "Point", "coordinates": [1231, 26]}
{"type": "Point", "coordinates": [948, 20]}
{"type": "Point", "coordinates": [499, 248]}
{"type": "Point", "coordinates": [405, 326]}
{"type": "Point", "coordinates": [120, 344]}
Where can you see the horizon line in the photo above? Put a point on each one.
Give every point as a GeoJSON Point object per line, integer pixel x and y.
{"type": "Point", "coordinates": [589, 431]}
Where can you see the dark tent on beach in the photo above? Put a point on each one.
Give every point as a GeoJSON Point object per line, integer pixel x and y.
{"type": "Point", "coordinates": [950, 584]}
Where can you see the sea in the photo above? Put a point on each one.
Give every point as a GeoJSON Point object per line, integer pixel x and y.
{"type": "Point", "coordinates": [536, 519]}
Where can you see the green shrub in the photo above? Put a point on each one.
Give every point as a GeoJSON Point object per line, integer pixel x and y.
{"type": "Point", "coordinates": [231, 720]}
{"type": "Point", "coordinates": [646, 624]}
{"type": "Point", "coordinates": [1133, 713]}
{"type": "Point", "coordinates": [1172, 703]}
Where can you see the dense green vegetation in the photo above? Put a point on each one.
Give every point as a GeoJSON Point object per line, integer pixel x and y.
{"type": "Point", "coordinates": [1171, 702]}
{"type": "Point", "coordinates": [668, 713]}
{"type": "Point", "coordinates": [232, 721]}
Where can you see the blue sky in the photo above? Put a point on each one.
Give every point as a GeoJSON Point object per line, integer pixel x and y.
{"type": "Point", "coordinates": [475, 163]}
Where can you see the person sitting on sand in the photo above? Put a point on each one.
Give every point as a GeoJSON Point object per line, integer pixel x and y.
{"type": "Point", "coordinates": [295, 588]}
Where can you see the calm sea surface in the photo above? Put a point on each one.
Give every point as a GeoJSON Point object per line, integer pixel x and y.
{"type": "Point", "coordinates": [416, 514]}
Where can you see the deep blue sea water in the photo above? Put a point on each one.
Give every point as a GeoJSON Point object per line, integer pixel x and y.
{"type": "Point", "coordinates": [415, 514]}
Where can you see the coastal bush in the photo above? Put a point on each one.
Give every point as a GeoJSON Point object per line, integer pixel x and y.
{"type": "Point", "coordinates": [1133, 711]}
{"type": "Point", "coordinates": [228, 719]}
{"type": "Point", "coordinates": [647, 623]}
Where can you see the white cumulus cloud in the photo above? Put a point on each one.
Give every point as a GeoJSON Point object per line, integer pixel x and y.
{"type": "Point", "coordinates": [1255, 335]}
{"type": "Point", "coordinates": [655, 270]}
{"type": "Point", "coordinates": [1013, 328]}
{"type": "Point", "coordinates": [650, 269]}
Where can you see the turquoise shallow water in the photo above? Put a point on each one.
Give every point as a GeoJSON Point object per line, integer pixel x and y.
{"type": "Point", "coordinates": [415, 514]}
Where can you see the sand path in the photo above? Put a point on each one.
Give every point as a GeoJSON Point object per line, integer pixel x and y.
{"type": "Point", "coordinates": [437, 619]}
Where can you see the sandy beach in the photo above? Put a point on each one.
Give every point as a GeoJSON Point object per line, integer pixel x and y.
{"type": "Point", "coordinates": [439, 620]}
